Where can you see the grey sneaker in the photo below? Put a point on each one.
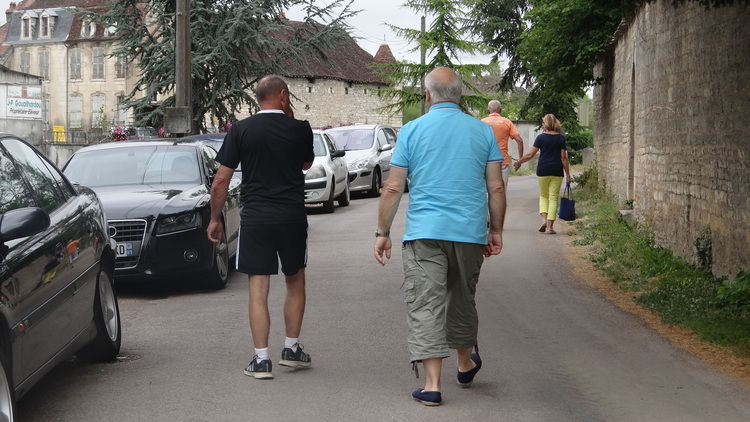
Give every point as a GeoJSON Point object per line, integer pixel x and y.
{"type": "Point", "coordinates": [298, 359]}
{"type": "Point", "coordinates": [260, 370]}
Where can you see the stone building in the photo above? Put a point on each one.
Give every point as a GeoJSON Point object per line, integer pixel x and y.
{"type": "Point", "coordinates": [343, 89]}
{"type": "Point", "coordinates": [670, 128]}
{"type": "Point", "coordinates": [82, 85]}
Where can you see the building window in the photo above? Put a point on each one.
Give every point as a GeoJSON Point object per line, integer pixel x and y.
{"type": "Point", "coordinates": [26, 27]}
{"type": "Point", "coordinates": [75, 107]}
{"type": "Point", "coordinates": [44, 28]}
{"type": "Point", "coordinates": [122, 110]}
{"type": "Point", "coordinates": [75, 63]}
{"type": "Point", "coordinates": [88, 29]}
{"type": "Point", "coordinates": [97, 68]}
{"type": "Point", "coordinates": [121, 67]}
{"type": "Point", "coordinates": [346, 91]}
{"type": "Point", "coordinates": [25, 61]}
{"type": "Point", "coordinates": [309, 90]}
{"type": "Point", "coordinates": [44, 64]}
{"type": "Point", "coordinates": [330, 90]}
{"type": "Point", "coordinates": [97, 111]}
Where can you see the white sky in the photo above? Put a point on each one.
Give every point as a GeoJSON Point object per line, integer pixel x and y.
{"type": "Point", "coordinates": [367, 27]}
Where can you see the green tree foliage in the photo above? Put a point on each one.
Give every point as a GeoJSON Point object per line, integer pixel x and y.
{"type": "Point", "coordinates": [233, 43]}
{"type": "Point", "coordinates": [500, 24]}
{"type": "Point", "coordinates": [444, 42]}
{"type": "Point", "coordinates": [552, 45]}
{"type": "Point", "coordinates": [564, 41]}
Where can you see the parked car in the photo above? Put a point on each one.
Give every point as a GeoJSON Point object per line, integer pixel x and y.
{"type": "Point", "coordinates": [156, 194]}
{"type": "Point", "coordinates": [57, 261]}
{"type": "Point", "coordinates": [368, 154]}
{"type": "Point", "coordinates": [328, 179]}
{"type": "Point", "coordinates": [142, 133]}
{"type": "Point", "coordinates": [215, 140]}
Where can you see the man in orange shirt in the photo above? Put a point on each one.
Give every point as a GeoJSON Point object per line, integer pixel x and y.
{"type": "Point", "coordinates": [504, 130]}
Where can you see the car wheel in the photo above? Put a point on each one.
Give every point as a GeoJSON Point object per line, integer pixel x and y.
{"type": "Point", "coordinates": [375, 188]}
{"type": "Point", "coordinates": [106, 344]}
{"type": "Point", "coordinates": [219, 273]}
{"type": "Point", "coordinates": [328, 205]}
{"type": "Point", "coordinates": [345, 197]}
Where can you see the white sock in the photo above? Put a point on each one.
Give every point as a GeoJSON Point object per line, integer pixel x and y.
{"type": "Point", "coordinates": [262, 354]}
{"type": "Point", "coordinates": [291, 343]}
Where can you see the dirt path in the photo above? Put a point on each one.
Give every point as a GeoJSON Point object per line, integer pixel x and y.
{"type": "Point", "coordinates": [720, 357]}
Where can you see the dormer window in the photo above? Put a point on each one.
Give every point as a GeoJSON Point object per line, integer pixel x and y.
{"type": "Point", "coordinates": [28, 24]}
{"type": "Point", "coordinates": [44, 27]}
{"type": "Point", "coordinates": [47, 23]}
{"type": "Point", "coordinates": [88, 29]}
{"type": "Point", "coordinates": [26, 27]}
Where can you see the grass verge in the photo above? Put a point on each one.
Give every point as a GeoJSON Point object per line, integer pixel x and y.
{"type": "Point", "coordinates": [682, 294]}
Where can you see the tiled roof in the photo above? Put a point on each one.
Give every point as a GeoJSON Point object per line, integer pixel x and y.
{"type": "Point", "coordinates": [3, 33]}
{"type": "Point", "coordinates": [347, 61]}
{"type": "Point", "coordinates": [51, 4]}
{"type": "Point", "coordinates": [384, 55]}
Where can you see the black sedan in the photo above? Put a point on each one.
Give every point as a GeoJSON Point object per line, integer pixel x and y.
{"type": "Point", "coordinates": [57, 263]}
{"type": "Point", "coordinates": [156, 195]}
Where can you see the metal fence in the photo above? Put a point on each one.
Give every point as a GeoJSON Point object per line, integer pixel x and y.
{"type": "Point", "coordinates": [75, 136]}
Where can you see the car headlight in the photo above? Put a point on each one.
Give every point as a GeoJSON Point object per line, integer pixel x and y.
{"type": "Point", "coordinates": [177, 223]}
{"type": "Point", "coordinates": [315, 172]}
{"type": "Point", "coordinates": [357, 165]}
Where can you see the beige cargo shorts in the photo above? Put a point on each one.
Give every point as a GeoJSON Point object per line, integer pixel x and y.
{"type": "Point", "coordinates": [440, 281]}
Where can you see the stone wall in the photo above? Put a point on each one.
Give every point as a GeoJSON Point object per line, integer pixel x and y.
{"type": "Point", "coordinates": [671, 127]}
{"type": "Point", "coordinates": [332, 102]}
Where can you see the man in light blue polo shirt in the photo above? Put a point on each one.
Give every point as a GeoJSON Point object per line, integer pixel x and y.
{"type": "Point", "coordinates": [454, 168]}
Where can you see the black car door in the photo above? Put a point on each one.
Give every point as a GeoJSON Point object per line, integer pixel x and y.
{"type": "Point", "coordinates": [38, 289]}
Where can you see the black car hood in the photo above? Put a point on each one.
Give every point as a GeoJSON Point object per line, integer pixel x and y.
{"type": "Point", "coordinates": [144, 201]}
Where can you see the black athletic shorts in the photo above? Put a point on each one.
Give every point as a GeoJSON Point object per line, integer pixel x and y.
{"type": "Point", "coordinates": [262, 246]}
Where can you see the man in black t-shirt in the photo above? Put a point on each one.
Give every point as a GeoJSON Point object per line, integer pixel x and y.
{"type": "Point", "coordinates": [273, 148]}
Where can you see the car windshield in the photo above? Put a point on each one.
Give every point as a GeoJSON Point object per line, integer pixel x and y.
{"type": "Point", "coordinates": [319, 148]}
{"type": "Point", "coordinates": [139, 165]}
{"type": "Point", "coordinates": [352, 140]}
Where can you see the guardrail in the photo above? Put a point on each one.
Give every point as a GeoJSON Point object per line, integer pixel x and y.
{"type": "Point", "coordinates": [75, 137]}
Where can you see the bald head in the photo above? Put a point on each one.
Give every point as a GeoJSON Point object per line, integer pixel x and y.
{"type": "Point", "coordinates": [443, 86]}
{"type": "Point", "coordinates": [494, 106]}
{"type": "Point", "coordinates": [269, 88]}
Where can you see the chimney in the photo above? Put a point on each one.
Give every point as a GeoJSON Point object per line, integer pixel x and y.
{"type": "Point", "coordinates": [9, 11]}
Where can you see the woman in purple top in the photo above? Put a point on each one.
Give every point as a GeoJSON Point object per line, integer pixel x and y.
{"type": "Point", "coordinates": [553, 161]}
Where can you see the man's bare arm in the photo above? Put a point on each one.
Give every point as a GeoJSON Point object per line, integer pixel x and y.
{"type": "Point", "coordinates": [389, 200]}
{"type": "Point", "coordinates": [496, 205]}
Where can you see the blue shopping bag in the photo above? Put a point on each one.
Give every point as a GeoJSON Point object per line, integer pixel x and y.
{"type": "Point", "coordinates": [567, 205]}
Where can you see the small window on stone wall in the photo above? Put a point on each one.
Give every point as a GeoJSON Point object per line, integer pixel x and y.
{"type": "Point", "coordinates": [330, 90]}
{"type": "Point", "coordinates": [346, 91]}
{"type": "Point", "coordinates": [366, 91]}
{"type": "Point", "coordinates": [309, 90]}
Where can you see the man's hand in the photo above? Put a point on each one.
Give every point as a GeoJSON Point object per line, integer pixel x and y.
{"type": "Point", "coordinates": [517, 165]}
{"type": "Point", "coordinates": [494, 245]}
{"type": "Point", "coordinates": [215, 231]}
{"type": "Point", "coordinates": [382, 245]}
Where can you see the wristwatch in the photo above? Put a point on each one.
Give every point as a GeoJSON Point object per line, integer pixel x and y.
{"type": "Point", "coordinates": [384, 234]}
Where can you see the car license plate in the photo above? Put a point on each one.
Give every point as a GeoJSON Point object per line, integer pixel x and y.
{"type": "Point", "coordinates": [124, 249]}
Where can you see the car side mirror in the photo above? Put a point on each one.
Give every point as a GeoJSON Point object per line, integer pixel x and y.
{"type": "Point", "coordinates": [386, 147]}
{"type": "Point", "coordinates": [338, 153]}
{"type": "Point", "coordinates": [23, 222]}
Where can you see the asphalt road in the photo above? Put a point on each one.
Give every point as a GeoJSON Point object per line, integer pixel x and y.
{"type": "Point", "coordinates": [553, 349]}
